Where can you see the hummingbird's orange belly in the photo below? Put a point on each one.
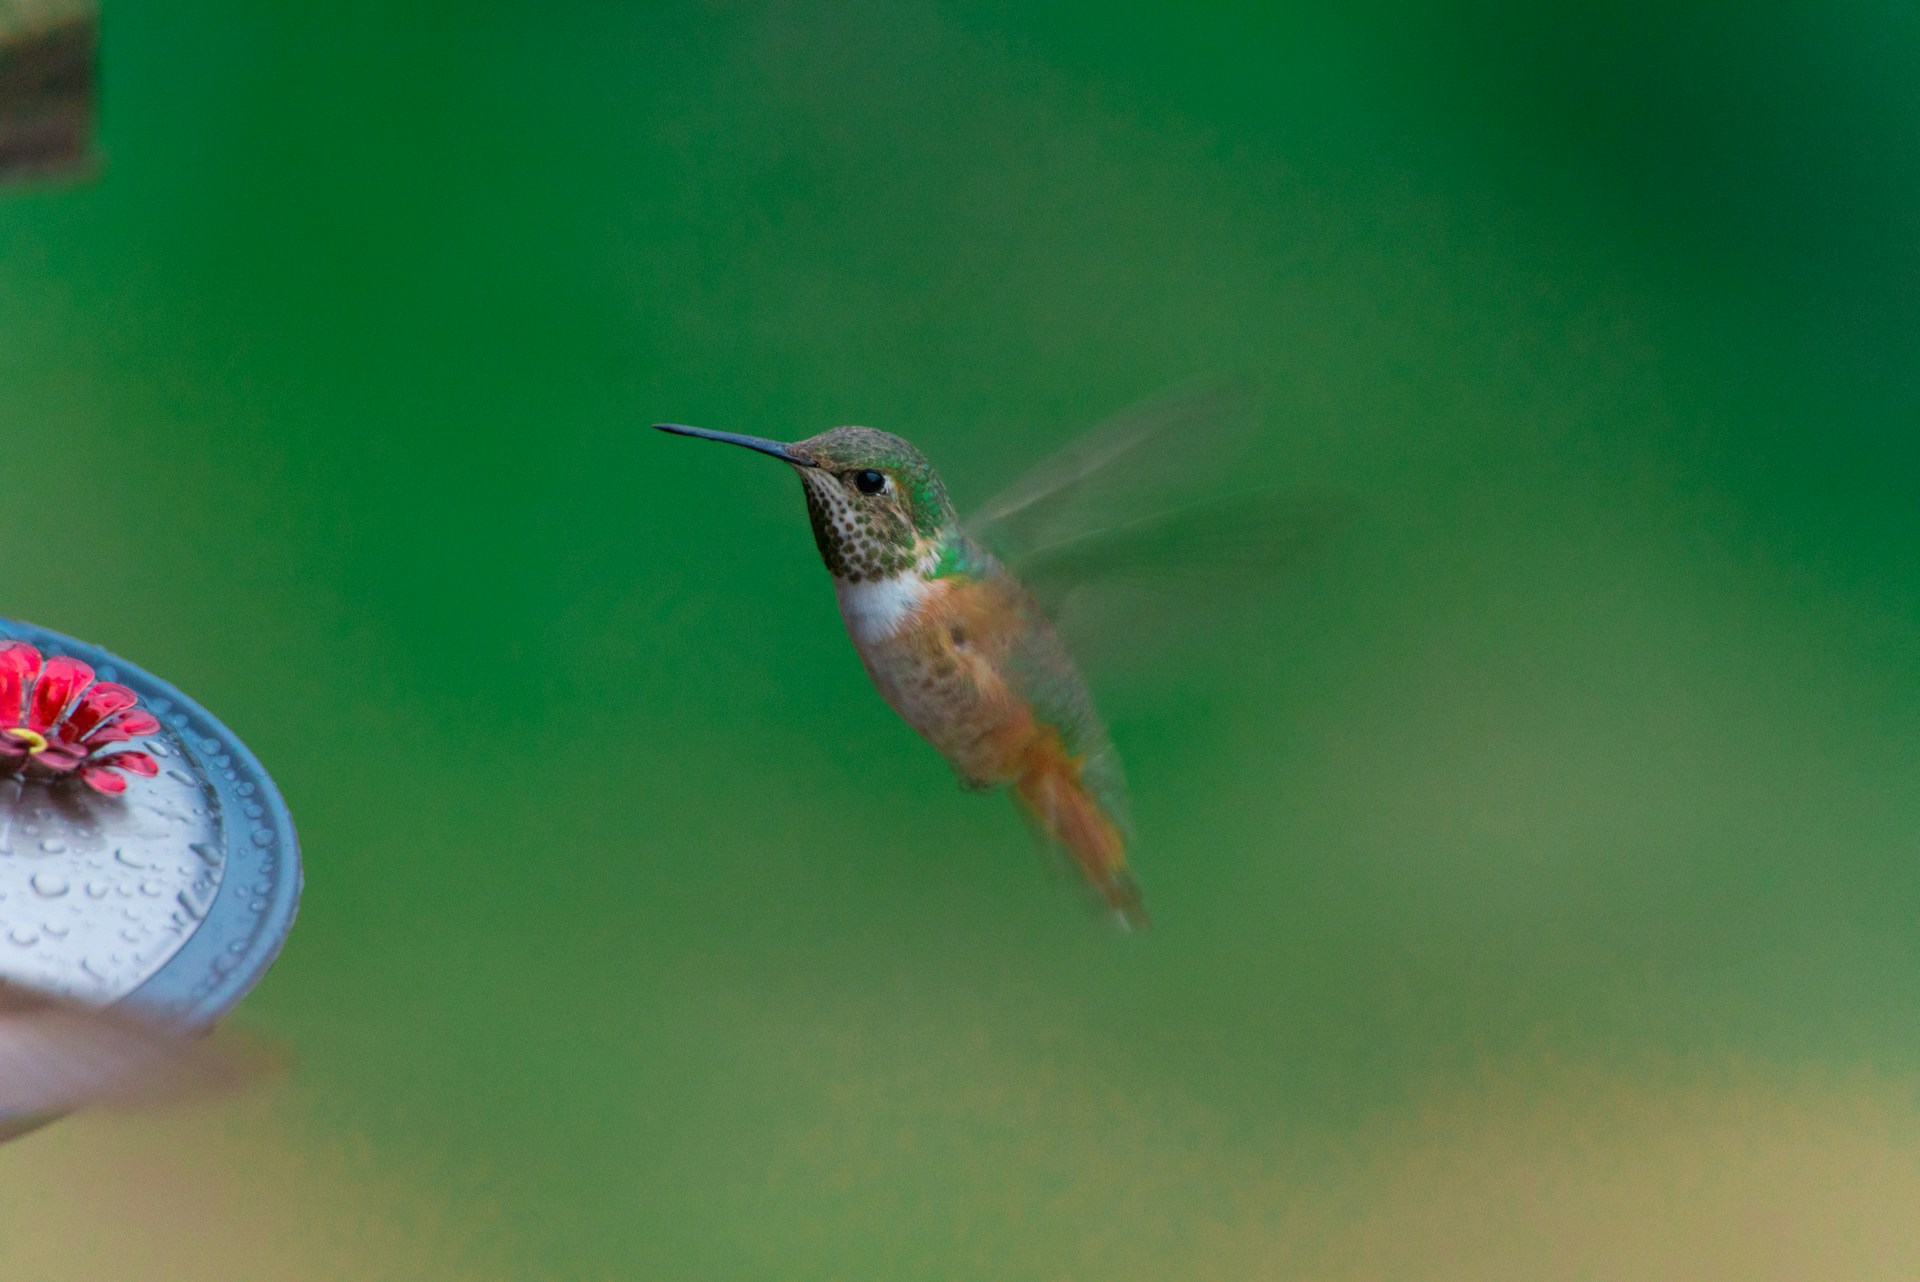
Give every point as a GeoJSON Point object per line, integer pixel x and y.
{"type": "Point", "coordinates": [957, 703]}
{"type": "Point", "coordinates": [950, 681]}
{"type": "Point", "coordinates": [947, 665]}
{"type": "Point", "coordinates": [941, 676]}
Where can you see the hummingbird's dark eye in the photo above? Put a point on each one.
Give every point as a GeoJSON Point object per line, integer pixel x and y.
{"type": "Point", "coordinates": [870, 481]}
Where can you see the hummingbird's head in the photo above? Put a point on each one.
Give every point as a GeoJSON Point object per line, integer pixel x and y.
{"type": "Point", "coordinates": [876, 503]}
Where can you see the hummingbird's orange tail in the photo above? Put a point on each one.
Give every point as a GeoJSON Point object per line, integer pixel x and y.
{"type": "Point", "coordinates": [1053, 791]}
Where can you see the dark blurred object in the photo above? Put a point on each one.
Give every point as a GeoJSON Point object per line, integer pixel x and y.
{"type": "Point", "coordinates": [47, 87]}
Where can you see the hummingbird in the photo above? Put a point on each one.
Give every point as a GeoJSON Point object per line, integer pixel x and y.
{"type": "Point", "coordinates": [965, 649]}
{"type": "Point", "coordinates": [958, 646]}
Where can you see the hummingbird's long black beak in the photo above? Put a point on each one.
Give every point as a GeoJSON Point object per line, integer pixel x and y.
{"type": "Point", "coordinates": [779, 449]}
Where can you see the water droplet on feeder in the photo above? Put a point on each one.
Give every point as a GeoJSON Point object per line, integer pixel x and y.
{"type": "Point", "coordinates": [49, 885]}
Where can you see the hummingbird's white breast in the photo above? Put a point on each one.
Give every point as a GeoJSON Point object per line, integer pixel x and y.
{"type": "Point", "coordinates": [877, 609]}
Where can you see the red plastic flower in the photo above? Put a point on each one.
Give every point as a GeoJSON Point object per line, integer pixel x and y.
{"type": "Point", "coordinates": [55, 718]}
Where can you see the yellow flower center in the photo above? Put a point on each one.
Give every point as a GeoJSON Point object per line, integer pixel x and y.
{"type": "Point", "coordinates": [35, 741]}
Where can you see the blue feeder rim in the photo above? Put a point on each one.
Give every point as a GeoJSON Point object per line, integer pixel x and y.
{"type": "Point", "coordinates": [210, 913]}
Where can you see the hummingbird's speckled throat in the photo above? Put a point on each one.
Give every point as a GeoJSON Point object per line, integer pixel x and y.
{"type": "Point", "coordinates": [858, 546]}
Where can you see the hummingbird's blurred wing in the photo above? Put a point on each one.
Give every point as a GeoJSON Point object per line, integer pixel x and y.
{"type": "Point", "coordinates": [57, 1055]}
{"type": "Point", "coordinates": [1137, 531]}
{"type": "Point", "coordinates": [1139, 461]}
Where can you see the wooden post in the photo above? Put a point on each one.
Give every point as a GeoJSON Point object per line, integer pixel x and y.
{"type": "Point", "coordinates": [47, 87]}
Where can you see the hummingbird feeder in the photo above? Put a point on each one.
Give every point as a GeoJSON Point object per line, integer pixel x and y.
{"type": "Point", "coordinates": [146, 859]}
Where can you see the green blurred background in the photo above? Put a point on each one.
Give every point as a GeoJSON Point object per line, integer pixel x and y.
{"type": "Point", "coordinates": [1570, 794]}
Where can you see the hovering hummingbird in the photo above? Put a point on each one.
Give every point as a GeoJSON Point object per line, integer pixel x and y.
{"type": "Point", "coordinates": [963, 648]}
